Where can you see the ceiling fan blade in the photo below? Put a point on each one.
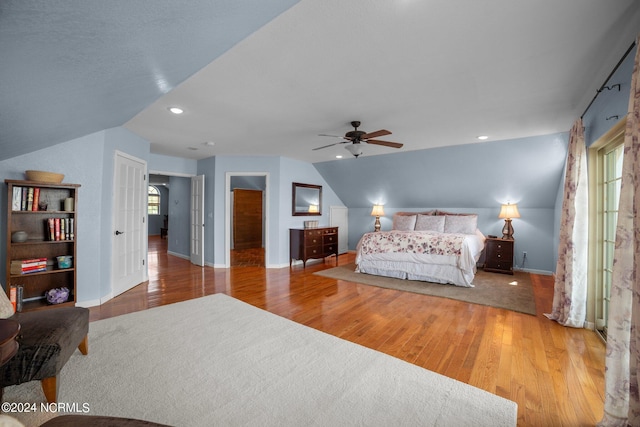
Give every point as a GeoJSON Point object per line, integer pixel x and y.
{"type": "Point", "coordinates": [334, 136]}
{"type": "Point", "coordinates": [381, 132]}
{"type": "Point", "coordinates": [327, 146]}
{"type": "Point", "coordinates": [385, 143]}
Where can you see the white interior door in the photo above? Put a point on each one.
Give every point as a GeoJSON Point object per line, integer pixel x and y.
{"type": "Point", "coordinates": [197, 220]}
{"type": "Point", "coordinates": [129, 249]}
{"type": "Point", "coordinates": [339, 217]}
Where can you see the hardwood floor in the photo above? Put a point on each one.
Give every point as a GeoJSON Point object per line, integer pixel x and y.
{"type": "Point", "coordinates": [554, 374]}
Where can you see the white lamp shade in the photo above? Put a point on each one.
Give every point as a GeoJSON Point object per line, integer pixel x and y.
{"type": "Point", "coordinates": [314, 208]}
{"type": "Point", "coordinates": [377, 210]}
{"type": "Point", "coordinates": [509, 211]}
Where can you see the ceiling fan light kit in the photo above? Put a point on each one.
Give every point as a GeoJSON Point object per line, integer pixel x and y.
{"type": "Point", "coordinates": [356, 137]}
{"type": "Point", "coordinates": [354, 149]}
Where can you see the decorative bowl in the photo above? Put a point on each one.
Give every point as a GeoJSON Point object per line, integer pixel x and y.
{"type": "Point", "coordinates": [19, 236]}
{"type": "Point", "coordinates": [42, 176]}
{"type": "Point", "coordinates": [57, 295]}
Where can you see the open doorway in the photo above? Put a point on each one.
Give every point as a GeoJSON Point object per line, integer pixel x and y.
{"type": "Point", "coordinates": [168, 217]}
{"type": "Point", "coordinates": [246, 228]}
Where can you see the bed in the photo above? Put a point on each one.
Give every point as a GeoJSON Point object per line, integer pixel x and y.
{"type": "Point", "coordinates": [433, 246]}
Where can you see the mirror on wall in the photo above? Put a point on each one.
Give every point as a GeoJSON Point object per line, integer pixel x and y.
{"type": "Point", "coordinates": [307, 199]}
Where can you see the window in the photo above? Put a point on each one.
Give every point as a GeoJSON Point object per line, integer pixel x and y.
{"type": "Point", "coordinates": [153, 201]}
{"type": "Point", "coordinates": [608, 171]}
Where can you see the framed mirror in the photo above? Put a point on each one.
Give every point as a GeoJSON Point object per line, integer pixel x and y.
{"type": "Point", "coordinates": [307, 199]}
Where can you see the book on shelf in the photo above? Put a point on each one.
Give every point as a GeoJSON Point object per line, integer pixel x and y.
{"type": "Point", "coordinates": [71, 233]}
{"type": "Point", "coordinates": [56, 224]}
{"type": "Point", "coordinates": [25, 193]}
{"type": "Point", "coordinates": [27, 266]}
{"type": "Point", "coordinates": [30, 199]}
{"type": "Point", "coordinates": [16, 200]}
{"type": "Point", "coordinates": [50, 226]}
{"type": "Point", "coordinates": [36, 199]}
{"type": "Point", "coordinates": [63, 233]}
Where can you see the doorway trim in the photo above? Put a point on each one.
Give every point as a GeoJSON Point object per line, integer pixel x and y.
{"type": "Point", "coordinates": [227, 216]}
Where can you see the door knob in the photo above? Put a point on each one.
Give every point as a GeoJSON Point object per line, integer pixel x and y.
{"type": "Point", "coordinates": [119, 232]}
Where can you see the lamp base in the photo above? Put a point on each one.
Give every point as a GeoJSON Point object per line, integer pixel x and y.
{"type": "Point", "coordinates": [507, 230]}
{"type": "Point", "coordinates": [376, 226]}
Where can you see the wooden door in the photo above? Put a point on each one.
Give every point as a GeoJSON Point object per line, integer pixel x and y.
{"type": "Point", "coordinates": [247, 219]}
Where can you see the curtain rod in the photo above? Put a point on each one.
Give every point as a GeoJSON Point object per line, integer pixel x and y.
{"type": "Point", "coordinates": [608, 77]}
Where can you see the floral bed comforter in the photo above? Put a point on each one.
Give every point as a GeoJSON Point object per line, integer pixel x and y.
{"type": "Point", "coordinates": [422, 242]}
{"type": "Point", "coordinates": [421, 255]}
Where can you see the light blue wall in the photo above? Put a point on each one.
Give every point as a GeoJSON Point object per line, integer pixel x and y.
{"type": "Point", "coordinates": [179, 207]}
{"type": "Point", "coordinates": [87, 161]}
{"type": "Point", "coordinates": [281, 173]}
{"type": "Point", "coordinates": [169, 165]}
{"type": "Point", "coordinates": [610, 103]}
{"type": "Point", "coordinates": [469, 178]}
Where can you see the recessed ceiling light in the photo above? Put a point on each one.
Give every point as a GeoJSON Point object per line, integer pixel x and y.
{"type": "Point", "coordinates": [176, 110]}
{"type": "Point", "coordinates": [483, 137]}
{"type": "Point", "coordinates": [209, 143]}
{"type": "Point", "coordinates": [339, 156]}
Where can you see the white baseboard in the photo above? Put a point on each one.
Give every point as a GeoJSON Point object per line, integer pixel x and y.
{"type": "Point", "coordinates": [178, 255]}
{"type": "Point", "coordinates": [534, 271]}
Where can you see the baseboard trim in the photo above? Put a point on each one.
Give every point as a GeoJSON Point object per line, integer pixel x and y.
{"type": "Point", "coordinates": [534, 271]}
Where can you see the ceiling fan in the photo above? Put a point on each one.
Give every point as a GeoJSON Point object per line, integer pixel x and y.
{"type": "Point", "coordinates": [357, 136]}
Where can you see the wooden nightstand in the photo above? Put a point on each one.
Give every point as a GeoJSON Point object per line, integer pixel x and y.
{"type": "Point", "coordinates": [498, 255]}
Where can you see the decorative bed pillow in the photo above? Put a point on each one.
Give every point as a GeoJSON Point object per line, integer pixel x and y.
{"type": "Point", "coordinates": [403, 213]}
{"type": "Point", "coordinates": [430, 223]}
{"type": "Point", "coordinates": [438, 212]}
{"type": "Point", "coordinates": [404, 222]}
{"type": "Point", "coordinates": [465, 224]}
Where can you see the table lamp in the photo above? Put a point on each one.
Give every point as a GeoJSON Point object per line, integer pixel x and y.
{"type": "Point", "coordinates": [377, 211]}
{"type": "Point", "coordinates": [507, 212]}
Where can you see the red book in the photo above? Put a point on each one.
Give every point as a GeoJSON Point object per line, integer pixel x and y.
{"type": "Point", "coordinates": [57, 228]}
{"type": "Point", "coordinates": [13, 296]}
{"type": "Point", "coordinates": [36, 199]}
{"type": "Point", "coordinates": [29, 261]}
{"type": "Point", "coordinates": [34, 269]}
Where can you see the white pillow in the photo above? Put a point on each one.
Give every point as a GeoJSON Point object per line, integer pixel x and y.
{"type": "Point", "coordinates": [6, 308]}
{"type": "Point", "coordinates": [464, 224]}
{"type": "Point", "coordinates": [430, 223]}
{"type": "Point", "coordinates": [404, 222]}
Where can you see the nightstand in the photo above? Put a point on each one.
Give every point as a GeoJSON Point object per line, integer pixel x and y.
{"type": "Point", "coordinates": [498, 255]}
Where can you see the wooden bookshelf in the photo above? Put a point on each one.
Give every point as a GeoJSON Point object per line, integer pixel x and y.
{"type": "Point", "coordinates": [41, 243]}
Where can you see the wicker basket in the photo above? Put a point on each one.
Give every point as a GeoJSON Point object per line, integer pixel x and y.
{"type": "Point", "coordinates": [41, 176]}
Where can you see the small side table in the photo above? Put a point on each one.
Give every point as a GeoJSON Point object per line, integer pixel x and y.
{"type": "Point", "coordinates": [498, 255]}
{"type": "Point", "coordinates": [9, 330]}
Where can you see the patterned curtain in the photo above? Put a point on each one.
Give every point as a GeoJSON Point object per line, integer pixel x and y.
{"type": "Point", "coordinates": [622, 401]}
{"type": "Point", "coordinates": [570, 291]}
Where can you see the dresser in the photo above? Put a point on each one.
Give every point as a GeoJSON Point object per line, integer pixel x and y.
{"type": "Point", "coordinates": [498, 255]}
{"type": "Point", "coordinates": [308, 243]}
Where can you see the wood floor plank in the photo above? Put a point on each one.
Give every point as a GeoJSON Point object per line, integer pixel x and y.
{"type": "Point", "coordinates": [555, 374]}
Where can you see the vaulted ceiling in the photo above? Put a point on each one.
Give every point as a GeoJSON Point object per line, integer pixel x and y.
{"type": "Point", "coordinates": [265, 78]}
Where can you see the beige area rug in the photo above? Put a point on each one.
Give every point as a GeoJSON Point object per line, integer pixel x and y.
{"type": "Point", "coordinates": [219, 361]}
{"type": "Point", "coordinates": [492, 289]}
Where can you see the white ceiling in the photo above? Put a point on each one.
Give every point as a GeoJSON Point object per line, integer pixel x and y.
{"type": "Point", "coordinates": [434, 72]}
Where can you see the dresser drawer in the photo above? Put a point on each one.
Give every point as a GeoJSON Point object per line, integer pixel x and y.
{"type": "Point", "coordinates": [310, 243]}
{"type": "Point", "coordinates": [499, 255]}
